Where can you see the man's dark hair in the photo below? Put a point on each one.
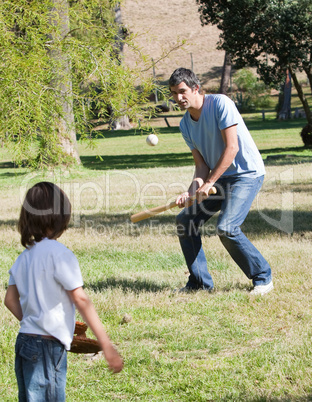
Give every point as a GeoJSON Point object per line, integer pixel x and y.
{"type": "Point", "coordinates": [184, 75]}
{"type": "Point", "coordinates": [45, 213]}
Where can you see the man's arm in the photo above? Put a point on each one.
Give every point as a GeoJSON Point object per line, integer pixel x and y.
{"type": "Point", "coordinates": [229, 136]}
{"type": "Point", "coordinates": [204, 178]}
{"type": "Point", "coordinates": [90, 316]}
{"type": "Point", "coordinates": [11, 301]}
{"type": "Point", "coordinates": [200, 175]}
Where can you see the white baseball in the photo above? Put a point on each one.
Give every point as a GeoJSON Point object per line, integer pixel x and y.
{"type": "Point", "coordinates": [152, 140]}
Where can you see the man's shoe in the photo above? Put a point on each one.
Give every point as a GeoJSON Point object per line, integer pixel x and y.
{"type": "Point", "coordinates": [262, 289]}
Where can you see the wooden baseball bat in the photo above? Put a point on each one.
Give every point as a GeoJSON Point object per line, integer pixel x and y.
{"type": "Point", "coordinates": [157, 210]}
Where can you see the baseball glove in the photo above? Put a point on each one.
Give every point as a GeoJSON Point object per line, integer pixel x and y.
{"type": "Point", "coordinates": [82, 344]}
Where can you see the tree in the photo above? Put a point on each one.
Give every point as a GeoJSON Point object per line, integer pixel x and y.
{"type": "Point", "coordinates": [57, 57]}
{"type": "Point", "coordinates": [272, 35]}
{"type": "Point", "coordinates": [121, 123]}
{"type": "Point", "coordinates": [62, 83]}
{"type": "Point", "coordinates": [226, 73]}
{"type": "Point", "coordinates": [284, 109]}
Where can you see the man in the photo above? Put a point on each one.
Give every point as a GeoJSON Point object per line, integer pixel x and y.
{"type": "Point", "coordinates": [226, 157]}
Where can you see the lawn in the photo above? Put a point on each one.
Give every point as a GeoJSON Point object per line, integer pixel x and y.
{"type": "Point", "coordinates": [225, 346]}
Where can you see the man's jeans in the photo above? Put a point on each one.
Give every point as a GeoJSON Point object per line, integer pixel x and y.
{"type": "Point", "coordinates": [233, 200]}
{"type": "Point", "coordinates": [40, 368]}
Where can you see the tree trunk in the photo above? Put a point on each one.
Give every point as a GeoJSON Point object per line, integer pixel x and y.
{"type": "Point", "coordinates": [123, 122]}
{"type": "Point", "coordinates": [120, 35]}
{"type": "Point", "coordinates": [302, 97]}
{"type": "Point", "coordinates": [65, 122]}
{"type": "Point", "coordinates": [226, 73]}
{"type": "Point", "coordinates": [285, 111]}
{"type": "Point", "coordinates": [308, 71]}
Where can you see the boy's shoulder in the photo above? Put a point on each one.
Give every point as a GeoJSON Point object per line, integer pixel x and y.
{"type": "Point", "coordinates": [49, 246]}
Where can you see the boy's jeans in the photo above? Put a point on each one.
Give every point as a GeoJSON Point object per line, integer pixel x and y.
{"type": "Point", "coordinates": [233, 200]}
{"type": "Point", "coordinates": [40, 368]}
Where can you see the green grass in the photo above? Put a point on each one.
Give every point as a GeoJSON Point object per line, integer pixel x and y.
{"type": "Point", "coordinates": [225, 346]}
{"type": "Point", "coordinates": [274, 139]}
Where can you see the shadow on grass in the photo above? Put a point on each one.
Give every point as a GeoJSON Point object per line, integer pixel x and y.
{"type": "Point", "coordinates": [275, 124]}
{"type": "Point", "coordinates": [8, 175]}
{"type": "Point", "coordinates": [102, 134]}
{"type": "Point", "coordinates": [127, 285]}
{"type": "Point", "coordinates": [11, 223]}
{"type": "Point", "coordinates": [7, 165]}
{"type": "Point", "coordinates": [283, 151]}
{"type": "Point", "coordinates": [144, 161]}
{"type": "Point", "coordinates": [271, 399]}
{"type": "Point", "coordinates": [10, 165]}
{"type": "Point", "coordinates": [235, 286]}
{"type": "Point", "coordinates": [133, 132]}
{"type": "Point", "coordinates": [257, 223]}
{"type": "Point", "coordinates": [137, 161]}
{"type": "Point", "coordinates": [286, 156]}
{"type": "Point", "coordinates": [283, 160]}
{"type": "Point", "coordinates": [275, 221]}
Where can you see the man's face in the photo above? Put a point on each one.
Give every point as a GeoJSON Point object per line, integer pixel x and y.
{"type": "Point", "coordinates": [184, 95]}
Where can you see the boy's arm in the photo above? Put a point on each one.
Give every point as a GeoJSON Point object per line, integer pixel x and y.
{"type": "Point", "coordinates": [11, 301]}
{"type": "Point", "coordinates": [90, 316]}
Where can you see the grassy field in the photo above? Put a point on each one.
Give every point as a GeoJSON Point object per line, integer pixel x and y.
{"type": "Point", "coordinates": [225, 346]}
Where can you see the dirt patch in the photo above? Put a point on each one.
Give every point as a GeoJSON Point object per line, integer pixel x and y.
{"type": "Point", "coordinates": [159, 25]}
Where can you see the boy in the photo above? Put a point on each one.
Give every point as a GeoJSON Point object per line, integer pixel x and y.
{"type": "Point", "coordinates": [45, 285]}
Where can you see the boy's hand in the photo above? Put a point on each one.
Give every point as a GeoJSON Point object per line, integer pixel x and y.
{"type": "Point", "coordinates": [115, 362]}
{"type": "Point", "coordinates": [89, 315]}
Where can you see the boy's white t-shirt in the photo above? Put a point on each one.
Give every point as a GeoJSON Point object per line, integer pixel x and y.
{"type": "Point", "coordinates": [42, 274]}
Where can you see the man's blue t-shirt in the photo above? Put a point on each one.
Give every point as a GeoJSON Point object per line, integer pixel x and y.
{"type": "Point", "coordinates": [218, 113]}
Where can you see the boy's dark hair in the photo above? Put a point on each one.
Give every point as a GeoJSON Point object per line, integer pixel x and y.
{"type": "Point", "coordinates": [45, 213]}
{"type": "Point", "coordinates": [184, 75]}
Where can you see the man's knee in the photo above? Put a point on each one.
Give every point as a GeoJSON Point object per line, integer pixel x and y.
{"type": "Point", "coordinates": [224, 231]}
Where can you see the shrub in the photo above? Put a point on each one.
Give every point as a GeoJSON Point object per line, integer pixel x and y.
{"type": "Point", "coordinates": [252, 92]}
{"type": "Point", "coordinates": [306, 135]}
